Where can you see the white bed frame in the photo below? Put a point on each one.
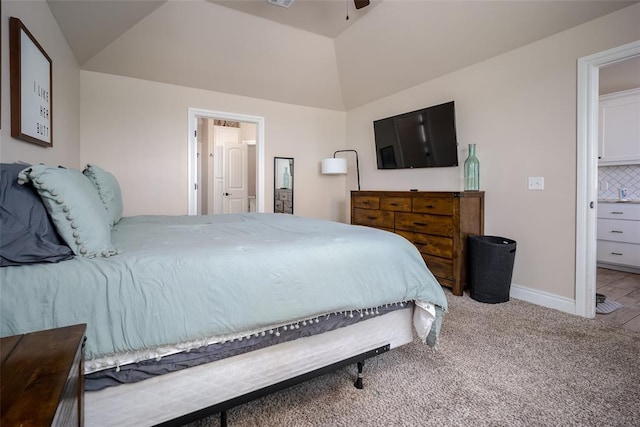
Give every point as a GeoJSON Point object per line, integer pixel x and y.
{"type": "Point", "coordinates": [190, 394]}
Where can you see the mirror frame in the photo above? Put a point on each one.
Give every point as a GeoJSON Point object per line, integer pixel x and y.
{"type": "Point", "coordinates": [282, 192]}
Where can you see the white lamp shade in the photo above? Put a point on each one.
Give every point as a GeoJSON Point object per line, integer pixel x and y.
{"type": "Point", "coordinates": [334, 166]}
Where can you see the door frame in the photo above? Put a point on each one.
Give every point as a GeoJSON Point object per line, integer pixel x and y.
{"type": "Point", "coordinates": [587, 171]}
{"type": "Point", "coordinates": [192, 169]}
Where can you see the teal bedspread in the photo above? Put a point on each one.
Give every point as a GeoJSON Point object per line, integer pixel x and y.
{"type": "Point", "coordinates": [179, 279]}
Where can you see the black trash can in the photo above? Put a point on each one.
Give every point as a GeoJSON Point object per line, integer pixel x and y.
{"type": "Point", "coordinates": [490, 267]}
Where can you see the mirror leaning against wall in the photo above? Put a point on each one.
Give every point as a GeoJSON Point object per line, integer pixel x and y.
{"type": "Point", "coordinates": [283, 185]}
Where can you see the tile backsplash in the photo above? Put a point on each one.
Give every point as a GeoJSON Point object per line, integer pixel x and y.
{"type": "Point", "coordinates": [612, 178]}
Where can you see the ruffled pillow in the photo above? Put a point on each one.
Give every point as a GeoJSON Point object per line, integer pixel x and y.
{"type": "Point", "coordinates": [108, 190]}
{"type": "Point", "coordinates": [74, 207]}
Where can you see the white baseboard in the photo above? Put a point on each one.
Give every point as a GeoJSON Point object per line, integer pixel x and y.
{"type": "Point", "coordinates": [625, 268]}
{"type": "Point", "coordinates": [544, 299]}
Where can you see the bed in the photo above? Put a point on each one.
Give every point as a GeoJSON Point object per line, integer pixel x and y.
{"type": "Point", "coordinates": [191, 315]}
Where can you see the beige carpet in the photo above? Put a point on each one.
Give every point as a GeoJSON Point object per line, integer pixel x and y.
{"type": "Point", "coordinates": [509, 364]}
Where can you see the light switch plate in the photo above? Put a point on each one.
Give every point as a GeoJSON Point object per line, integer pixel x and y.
{"type": "Point", "coordinates": [536, 183]}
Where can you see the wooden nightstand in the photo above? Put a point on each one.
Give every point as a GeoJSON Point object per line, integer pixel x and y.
{"type": "Point", "coordinates": [41, 378]}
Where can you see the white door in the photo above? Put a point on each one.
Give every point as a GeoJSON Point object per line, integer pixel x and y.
{"type": "Point", "coordinates": [201, 196]}
{"type": "Point", "coordinates": [230, 171]}
{"type": "Point", "coordinates": [215, 153]}
{"type": "Point", "coordinates": [235, 178]}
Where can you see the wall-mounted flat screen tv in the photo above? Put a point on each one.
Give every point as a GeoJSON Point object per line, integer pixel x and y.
{"type": "Point", "coordinates": [423, 138]}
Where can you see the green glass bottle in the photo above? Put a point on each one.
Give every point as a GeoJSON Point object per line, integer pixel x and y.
{"type": "Point", "coordinates": [472, 170]}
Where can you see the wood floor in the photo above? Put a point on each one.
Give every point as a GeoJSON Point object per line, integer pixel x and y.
{"type": "Point", "coordinates": [625, 289]}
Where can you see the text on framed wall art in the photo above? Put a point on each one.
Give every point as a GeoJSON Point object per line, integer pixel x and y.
{"type": "Point", "coordinates": [31, 87]}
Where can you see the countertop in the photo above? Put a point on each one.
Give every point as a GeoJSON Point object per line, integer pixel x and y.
{"type": "Point", "coordinates": [632, 202]}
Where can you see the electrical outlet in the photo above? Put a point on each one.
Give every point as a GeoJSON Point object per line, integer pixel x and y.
{"type": "Point", "coordinates": [536, 183]}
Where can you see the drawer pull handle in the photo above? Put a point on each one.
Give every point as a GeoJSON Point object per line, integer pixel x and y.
{"type": "Point", "coordinates": [372, 217]}
{"type": "Point", "coordinates": [420, 224]}
{"type": "Point", "coordinates": [616, 231]}
{"type": "Point", "coordinates": [616, 253]}
{"type": "Point", "coordinates": [429, 206]}
{"type": "Point", "coordinates": [617, 213]}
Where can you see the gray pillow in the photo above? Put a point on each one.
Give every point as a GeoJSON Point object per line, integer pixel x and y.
{"type": "Point", "coordinates": [74, 207]}
{"type": "Point", "coordinates": [27, 234]}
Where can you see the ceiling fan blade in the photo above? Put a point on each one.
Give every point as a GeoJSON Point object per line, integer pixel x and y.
{"type": "Point", "coordinates": [361, 3]}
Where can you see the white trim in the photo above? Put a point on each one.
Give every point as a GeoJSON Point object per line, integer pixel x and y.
{"type": "Point", "coordinates": [192, 169]}
{"type": "Point", "coordinates": [618, 267]}
{"type": "Point", "coordinates": [544, 299]}
{"type": "Point", "coordinates": [587, 171]}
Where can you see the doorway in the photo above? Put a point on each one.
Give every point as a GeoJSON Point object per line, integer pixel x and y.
{"type": "Point", "coordinates": [587, 171]}
{"type": "Point", "coordinates": [226, 163]}
{"type": "Point", "coordinates": [226, 166]}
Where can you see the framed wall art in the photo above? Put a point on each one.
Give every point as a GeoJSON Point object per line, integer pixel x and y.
{"type": "Point", "coordinates": [31, 87]}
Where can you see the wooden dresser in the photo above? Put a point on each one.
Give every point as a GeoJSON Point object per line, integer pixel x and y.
{"type": "Point", "coordinates": [437, 222]}
{"type": "Point", "coordinates": [41, 378]}
{"type": "Point", "coordinates": [283, 200]}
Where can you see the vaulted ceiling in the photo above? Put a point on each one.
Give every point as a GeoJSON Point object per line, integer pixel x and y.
{"type": "Point", "coordinates": [307, 54]}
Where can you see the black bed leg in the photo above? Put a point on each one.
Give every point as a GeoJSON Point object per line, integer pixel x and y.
{"type": "Point", "coordinates": [358, 382]}
{"type": "Point", "coordinates": [223, 419]}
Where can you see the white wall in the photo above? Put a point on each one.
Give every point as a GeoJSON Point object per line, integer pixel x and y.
{"type": "Point", "coordinates": [520, 110]}
{"type": "Point", "coordinates": [237, 53]}
{"type": "Point", "coordinates": [138, 130]}
{"type": "Point", "coordinates": [37, 17]}
{"type": "Point", "coordinates": [620, 76]}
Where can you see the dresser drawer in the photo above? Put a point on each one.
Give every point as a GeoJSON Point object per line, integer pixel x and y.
{"type": "Point", "coordinates": [429, 244]}
{"type": "Point", "coordinates": [442, 268]}
{"type": "Point", "coordinates": [423, 223]}
{"type": "Point", "coordinates": [373, 218]}
{"type": "Point", "coordinates": [398, 204]}
{"type": "Point", "coordinates": [619, 211]}
{"type": "Point", "coordinates": [619, 253]}
{"type": "Point", "coordinates": [283, 195]}
{"type": "Point", "coordinates": [619, 230]}
{"type": "Point", "coordinates": [366, 202]}
{"type": "Point", "coordinates": [434, 205]}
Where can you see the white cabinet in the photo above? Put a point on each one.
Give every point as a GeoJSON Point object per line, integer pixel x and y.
{"type": "Point", "coordinates": [619, 128]}
{"type": "Point", "coordinates": [618, 235]}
